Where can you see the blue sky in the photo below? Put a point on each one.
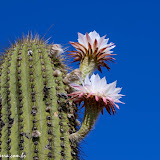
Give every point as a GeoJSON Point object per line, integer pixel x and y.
{"type": "Point", "coordinates": [134, 26]}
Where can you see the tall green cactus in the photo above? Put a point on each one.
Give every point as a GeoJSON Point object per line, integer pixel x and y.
{"type": "Point", "coordinates": [38, 119]}
{"type": "Point", "coordinates": [36, 114]}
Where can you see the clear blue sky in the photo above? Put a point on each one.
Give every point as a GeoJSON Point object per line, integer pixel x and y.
{"type": "Point", "coordinates": [134, 26]}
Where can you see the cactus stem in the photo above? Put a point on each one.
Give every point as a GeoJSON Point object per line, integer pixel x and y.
{"type": "Point", "coordinates": [34, 105]}
{"type": "Point", "coordinates": [89, 119]}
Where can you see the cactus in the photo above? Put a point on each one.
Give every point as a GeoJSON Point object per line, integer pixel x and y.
{"type": "Point", "coordinates": [36, 114]}
{"type": "Point", "coordinates": [38, 98]}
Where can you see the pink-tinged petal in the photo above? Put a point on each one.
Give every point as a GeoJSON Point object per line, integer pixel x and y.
{"type": "Point", "coordinates": [94, 35]}
{"type": "Point", "coordinates": [89, 95]}
{"type": "Point", "coordinates": [104, 100]}
{"type": "Point", "coordinates": [81, 94]}
{"type": "Point", "coordinates": [77, 87]}
{"type": "Point", "coordinates": [87, 81]}
{"type": "Point", "coordinates": [118, 101]}
{"type": "Point", "coordinates": [117, 106]}
{"type": "Point", "coordinates": [88, 38]}
{"type": "Point", "coordinates": [111, 102]}
{"type": "Point", "coordinates": [110, 99]}
{"type": "Point", "coordinates": [96, 97]}
{"type": "Point", "coordinates": [78, 46]}
{"type": "Point", "coordinates": [109, 48]}
{"type": "Point", "coordinates": [95, 45]}
{"type": "Point", "coordinates": [102, 92]}
{"type": "Point", "coordinates": [74, 85]}
{"type": "Point", "coordinates": [100, 41]}
{"type": "Point", "coordinates": [81, 39]}
{"type": "Point", "coordinates": [102, 50]}
{"type": "Point", "coordinates": [88, 87]}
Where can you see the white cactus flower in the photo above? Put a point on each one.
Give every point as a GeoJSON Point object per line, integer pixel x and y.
{"type": "Point", "coordinates": [91, 38]}
{"type": "Point", "coordinates": [97, 90]}
{"type": "Point", "coordinates": [93, 46]}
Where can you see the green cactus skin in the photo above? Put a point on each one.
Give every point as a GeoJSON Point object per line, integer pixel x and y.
{"type": "Point", "coordinates": [36, 115]}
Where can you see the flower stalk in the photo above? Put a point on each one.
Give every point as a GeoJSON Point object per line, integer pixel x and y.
{"type": "Point", "coordinates": [87, 66]}
{"type": "Point", "coordinates": [90, 116]}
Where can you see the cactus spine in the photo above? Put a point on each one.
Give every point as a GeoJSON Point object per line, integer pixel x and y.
{"type": "Point", "coordinates": [36, 116]}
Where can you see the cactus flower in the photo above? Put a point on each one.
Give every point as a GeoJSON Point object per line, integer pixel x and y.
{"type": "Point", "coordinates": [93, 47]}
{"type": "Point", "coordinates": [96, 89]}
